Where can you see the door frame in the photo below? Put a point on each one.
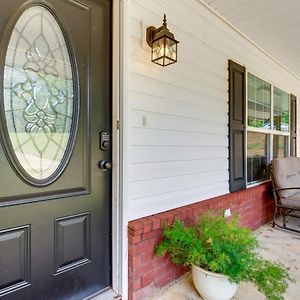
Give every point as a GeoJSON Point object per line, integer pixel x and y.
{"type": "Point", "coordinates": [119, 157]}
{"type": "Point", "coordinates": [119, 252]}
{"type": "Point", "coordinates": [120, 162]}
{"type": "Point", "coordinates": [121, 142]}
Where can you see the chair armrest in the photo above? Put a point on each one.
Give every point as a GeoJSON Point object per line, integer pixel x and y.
{"type": "Point", "coordinates": [289, 188]}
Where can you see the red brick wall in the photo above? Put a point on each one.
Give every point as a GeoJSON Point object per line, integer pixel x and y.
{"type": "Point", "coordinates": [148, 272]}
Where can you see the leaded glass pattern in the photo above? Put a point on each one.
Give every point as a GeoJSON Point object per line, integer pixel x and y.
{"type": "Point", "coordinates": [38, 92]}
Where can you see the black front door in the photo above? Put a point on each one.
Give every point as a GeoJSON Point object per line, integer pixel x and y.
{"type": "Point", "coordinates": [55, 201]}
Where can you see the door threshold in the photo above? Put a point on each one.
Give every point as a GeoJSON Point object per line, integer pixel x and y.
{"type": "Point", "coordinates": [107, 294]}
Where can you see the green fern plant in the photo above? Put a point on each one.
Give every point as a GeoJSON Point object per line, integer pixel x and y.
{"type": "Point", "coordinates": [222, 246]}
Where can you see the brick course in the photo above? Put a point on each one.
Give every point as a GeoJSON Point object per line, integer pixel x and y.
{"type": "Point", "coordinates": [148, 272]}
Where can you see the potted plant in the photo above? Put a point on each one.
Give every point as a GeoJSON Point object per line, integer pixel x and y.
{"type": "Point", "coordinates": [222, 254]}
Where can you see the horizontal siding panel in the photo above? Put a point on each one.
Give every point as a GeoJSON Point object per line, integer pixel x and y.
{"type": "Point", "coordinates": [197, 69]}
{"type": "Point", "coordinates": [210, 77]}
{"type": "Point", "coordinates": [154, 187]}
{"type": "Point", "coordinates": [147, 171]}
{"type": "Point", "coordinates": [154, 104]}
{"type": "Point", "coordinates": [191, 81]}
{"type": "Point", "coordinates": [155, 90]}
{"type": "Point", "coordinates": [148, 137]}
{"type": "Point", "coordinates": [144, 206]}
{"type": "Point", "coordinates": [163, 121]}
{"type": "Point", "coordinates": [141, 154]}
{"type": "Point", "coordinates": [196, 52]}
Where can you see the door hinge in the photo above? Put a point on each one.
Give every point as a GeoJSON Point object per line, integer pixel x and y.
{"type": "Point", "coordinates": [118, 125]}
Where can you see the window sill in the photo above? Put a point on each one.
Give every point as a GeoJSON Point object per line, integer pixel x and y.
{"type": "Point", "coordinates": [257, 183]}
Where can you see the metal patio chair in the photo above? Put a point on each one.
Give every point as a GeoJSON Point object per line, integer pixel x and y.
{"type": "Point", "coordinates": [285, 176]}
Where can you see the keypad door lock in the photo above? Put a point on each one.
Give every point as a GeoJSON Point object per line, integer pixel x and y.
{"type": "Point", "coordinates": [105, 143]}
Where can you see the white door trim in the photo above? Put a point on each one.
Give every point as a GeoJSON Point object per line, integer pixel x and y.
{"type": "Point", "coordinates": [119, 151]}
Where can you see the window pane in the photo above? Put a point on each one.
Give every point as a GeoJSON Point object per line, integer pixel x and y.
{"type": "Point", "coordinates": [280, 146]}
{"type": "Point", "coordinates": [257, 156]}
{"type": "Point", "coordinates": [259, 102]}
{"type": "Point", "coordinates": [281, 119]}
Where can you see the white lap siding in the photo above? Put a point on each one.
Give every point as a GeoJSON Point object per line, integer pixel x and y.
{"type": "Point", "coordinates": [177, 147]}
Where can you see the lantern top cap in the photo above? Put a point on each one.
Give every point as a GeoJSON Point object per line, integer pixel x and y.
{"type": "Point", "coordinates": [163, 31]}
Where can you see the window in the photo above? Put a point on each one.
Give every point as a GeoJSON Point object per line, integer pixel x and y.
{"type": "Point", "coordinates": [280, 146]}
{"type": "Point", "coordinates": [262, 125]}
{"type": "Point", "coordinates": [268, 127]}
{"type": "Point", "coordinates": [257, 156]}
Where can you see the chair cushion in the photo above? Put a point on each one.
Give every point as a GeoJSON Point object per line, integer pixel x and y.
{"type": "Point", "coordinates": [286, 174]}
{"type": "Point", "coordinates": [292, 201]}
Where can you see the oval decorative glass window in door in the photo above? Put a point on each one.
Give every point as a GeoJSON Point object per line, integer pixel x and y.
{"type": "Point", "coordinates": [39, 103]}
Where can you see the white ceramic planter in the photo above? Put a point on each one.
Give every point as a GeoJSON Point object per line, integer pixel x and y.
{"type": "Point", "coordinates": [212, 286]}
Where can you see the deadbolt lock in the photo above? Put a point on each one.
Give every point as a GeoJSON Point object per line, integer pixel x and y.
{"type": "Point", "coordinates": [104, 141]}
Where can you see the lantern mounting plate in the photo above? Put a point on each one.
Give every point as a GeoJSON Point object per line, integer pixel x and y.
{"type": "Point", "coordinates": [150, 32]}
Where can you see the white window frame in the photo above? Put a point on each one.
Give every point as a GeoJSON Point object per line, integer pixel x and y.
{"type": "Point", "coordinates": [271, 132]}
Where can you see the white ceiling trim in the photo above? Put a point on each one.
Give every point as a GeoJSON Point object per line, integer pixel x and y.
{"type": "Point", "coordinates": [216, 13]}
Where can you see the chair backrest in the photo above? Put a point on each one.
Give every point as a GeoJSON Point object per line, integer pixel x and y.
{"type": "Point", "coordinates": [286, 174]}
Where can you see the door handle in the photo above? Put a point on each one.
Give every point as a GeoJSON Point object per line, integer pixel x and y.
{"type": "Point", "coordinates": [105, 165]}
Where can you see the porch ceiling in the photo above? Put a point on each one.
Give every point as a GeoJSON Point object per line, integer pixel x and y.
{"type": "Point", "coordinates": [274, 25]}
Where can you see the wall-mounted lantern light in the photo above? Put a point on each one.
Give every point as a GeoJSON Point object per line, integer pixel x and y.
{"type": "Point", "coordinates": [163, 44]}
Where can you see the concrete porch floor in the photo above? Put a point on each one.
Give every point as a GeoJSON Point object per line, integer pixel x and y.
{"type": "Point", "coordinates": [279, 245]}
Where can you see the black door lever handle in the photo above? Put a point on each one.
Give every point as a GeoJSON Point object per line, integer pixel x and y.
{"type": "Point", "coordinates": [105, 165]}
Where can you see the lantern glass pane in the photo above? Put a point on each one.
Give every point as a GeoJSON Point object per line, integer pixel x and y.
{"type": "Point", "coordinates": [164, 51]}
{"type": "Point", "coordinates": [155, 50]}
{"type": "Point", "coordinates": [160, 61]}
{"type": "Point", "coordinates": [161, 44]}
{"type": "Point", "coordinates": [173, 52]}
{"type": "Point", "coordinates": [168, 47]}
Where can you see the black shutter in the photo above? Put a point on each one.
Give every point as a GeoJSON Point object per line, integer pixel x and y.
{"type": "Point", "coordinates": [293, 129]}
{"type": "Point", "coordinates": [237, 127]}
